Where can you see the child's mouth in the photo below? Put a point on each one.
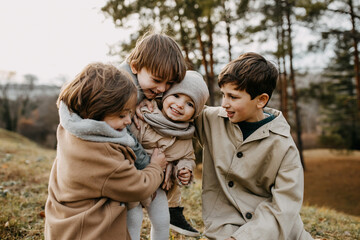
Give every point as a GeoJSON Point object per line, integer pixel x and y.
{"type": "Point", "coordinates": [175, 111]}
{"type": "Point", "coordinates": [230, 114]}
{"type": "Point", "coordinates": [150, 94]}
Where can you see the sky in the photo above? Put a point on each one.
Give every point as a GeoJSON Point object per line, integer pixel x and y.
{"type": "Point", "coordinates": [53, 38]}
{"type": "Point", "coordinates": [56, 39]}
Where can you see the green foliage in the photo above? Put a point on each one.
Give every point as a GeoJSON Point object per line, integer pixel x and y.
{"type": "Point", "coordinates": [313, 9]}
{"type": "Point", "coordinates": [337, 95]}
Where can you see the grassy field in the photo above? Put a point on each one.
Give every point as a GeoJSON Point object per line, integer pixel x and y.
{"type": "Point", "coordinates": [24, 170]}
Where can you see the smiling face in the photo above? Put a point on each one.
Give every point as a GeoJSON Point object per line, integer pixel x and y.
{"type": "Point", "coordinates": [239, 105]}
{"type": "Point", "coordinates": [178, 107]}
{"type": "Point", "coordinates": [150, 85]}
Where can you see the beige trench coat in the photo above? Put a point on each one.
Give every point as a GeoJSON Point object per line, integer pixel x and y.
{"type": "Point", "coordinates": [89, 183]}
{"type": "Point", "coordinates": [252, 189]}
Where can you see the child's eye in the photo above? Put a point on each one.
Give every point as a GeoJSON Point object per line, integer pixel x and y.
{"type": "Point", "coordinates": [190, 104]}
{"type": "Point", "coordinates": [123, 115]}
{"type": "Point", "coordinates": [176, 95]}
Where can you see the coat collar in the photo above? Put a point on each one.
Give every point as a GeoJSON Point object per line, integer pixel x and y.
{"type": "Point", "coordinates": [278, 126]}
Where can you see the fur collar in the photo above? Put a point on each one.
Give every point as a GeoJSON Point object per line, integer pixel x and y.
{"type": "Point", "coordinates": [92, 130]}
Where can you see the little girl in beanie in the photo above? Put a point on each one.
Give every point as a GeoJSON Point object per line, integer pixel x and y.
{"type": "Point", "coordinates": [170, 128]}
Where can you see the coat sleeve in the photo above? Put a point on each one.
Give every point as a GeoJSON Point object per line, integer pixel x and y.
{"type": "Point", "coordinates": [142, 157]}
{"type": "Point", "coordinates": [127, 184]}
{"type": "Point", "coordinates": [276, 218]}
{"type": "Point", "coordinates": [199, 126]}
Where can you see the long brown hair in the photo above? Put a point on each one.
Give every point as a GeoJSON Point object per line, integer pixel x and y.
{"type": "Point", "coordinates": [97, 91]}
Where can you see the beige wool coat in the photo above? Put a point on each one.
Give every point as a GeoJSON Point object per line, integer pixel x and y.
{"type": "Point", "coordinates": [252, 189]}
{"type": "Point", "coordinates": [88, 186]}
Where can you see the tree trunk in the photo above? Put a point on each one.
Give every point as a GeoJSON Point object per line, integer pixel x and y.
{"type": "Point", "coordinates": [227, 21]}
{"type": "Point", "coordinates": [202, 48]}
{"type": "Point", "coordinates": [211, 76]}
{"type": "Point", "coordinates": [183, 41]}
{"type": "Point", "coordinates": [293, 85]}
{"type": "Point", "coordinates": [280, 35]}
{"type": "Point", "coordinates": [284, 77]}
{"type": "Point", "coordinates": [356, 55]}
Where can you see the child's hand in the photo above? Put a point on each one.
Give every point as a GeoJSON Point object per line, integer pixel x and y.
{"type": "Point", "coordinates": [184, 175]}
{"type": "Point", "coordinates": [158, 158]}
{"type": "Point", "coordinates": [167, 184]}
{"type": "Point", "coordinates": [138, 112]}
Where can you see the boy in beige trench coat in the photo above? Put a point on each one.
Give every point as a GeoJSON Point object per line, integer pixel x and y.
{"type": "Point", "coordinates": [252, 175]}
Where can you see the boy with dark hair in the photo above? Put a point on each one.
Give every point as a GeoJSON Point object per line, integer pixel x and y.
{"type": "Point", "coordinates": [252, 175]}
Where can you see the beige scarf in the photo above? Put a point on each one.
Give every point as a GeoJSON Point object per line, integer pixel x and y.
{"type": "Point", "coordinates": [166, 127]}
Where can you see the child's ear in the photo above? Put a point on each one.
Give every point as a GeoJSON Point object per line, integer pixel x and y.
{"type": "Point", "coordinates": [262, 100]}
{"type": "Point", "coordinates": [133, 67]}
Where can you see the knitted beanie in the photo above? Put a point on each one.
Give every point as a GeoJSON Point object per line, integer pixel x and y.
{"type": "Point", "coordinates": [194, 86]}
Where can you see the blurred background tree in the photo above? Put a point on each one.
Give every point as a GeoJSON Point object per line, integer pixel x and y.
{"type": "Point", "coordinates": [337, 95]}
{"type": "Point", "coordinates": [212, 33]}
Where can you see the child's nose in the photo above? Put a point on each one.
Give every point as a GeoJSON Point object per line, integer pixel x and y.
{"type": "Point", "coordinates": [128, 119]}
{"type": "Point", "coordinates": [224, 103]}
{"type": "Point", "coordinates": [180, 105]}
{"type": "Point", "coordinates": [162, 87]}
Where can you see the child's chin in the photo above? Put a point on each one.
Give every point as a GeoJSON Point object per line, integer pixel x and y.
{"type": "Point", "coordinates": [233, 120]}
{"type": "Point", "coordinates": [150, 95]}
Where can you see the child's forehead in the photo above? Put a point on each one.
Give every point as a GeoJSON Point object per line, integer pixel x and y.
{"type": "Point", "coordinates": [183, 95]}
{"type": "Point", "coordinates": [163, 74]}
{"type": "Point", "coordinates": [232, 88]}
{"type": "Point", "coordinates": [161, 78]}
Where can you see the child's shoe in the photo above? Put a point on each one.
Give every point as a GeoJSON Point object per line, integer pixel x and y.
{"type": "Point", "coordinates": [179, 224]}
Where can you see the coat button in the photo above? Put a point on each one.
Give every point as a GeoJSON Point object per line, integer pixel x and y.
{"type": "Point", "coordinates": [231, 184]}
{"type": "Point", "coordinates": [248, 215]}
{"type": "Point", "coordinates": [239, 154]}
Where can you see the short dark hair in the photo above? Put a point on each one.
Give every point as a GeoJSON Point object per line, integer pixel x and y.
{"type": "Point", "coordinates": [160, 55]}
{"type": "Point", "coordinates": [97, 91]}
{"type": "Point", "coordinates": [250, 72]}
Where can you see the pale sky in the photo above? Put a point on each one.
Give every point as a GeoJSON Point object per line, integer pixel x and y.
{"type": "Point", "coordinates": [53, 38]}
{"type": "Point", "coordinates": [49, 38]}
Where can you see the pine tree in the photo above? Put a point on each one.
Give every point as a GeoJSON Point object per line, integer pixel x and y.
{"type": "Point", "coordinates": [339, 118]}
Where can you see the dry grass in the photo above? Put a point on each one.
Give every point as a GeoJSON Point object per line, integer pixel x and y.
{"type": "Point", "coordinates": [24, 170]}
{"type": "Point", "coordinates": [332, 180]}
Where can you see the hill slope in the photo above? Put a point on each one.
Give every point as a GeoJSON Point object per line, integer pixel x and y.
{"type": "Point", "coordinates": [24, 171]}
